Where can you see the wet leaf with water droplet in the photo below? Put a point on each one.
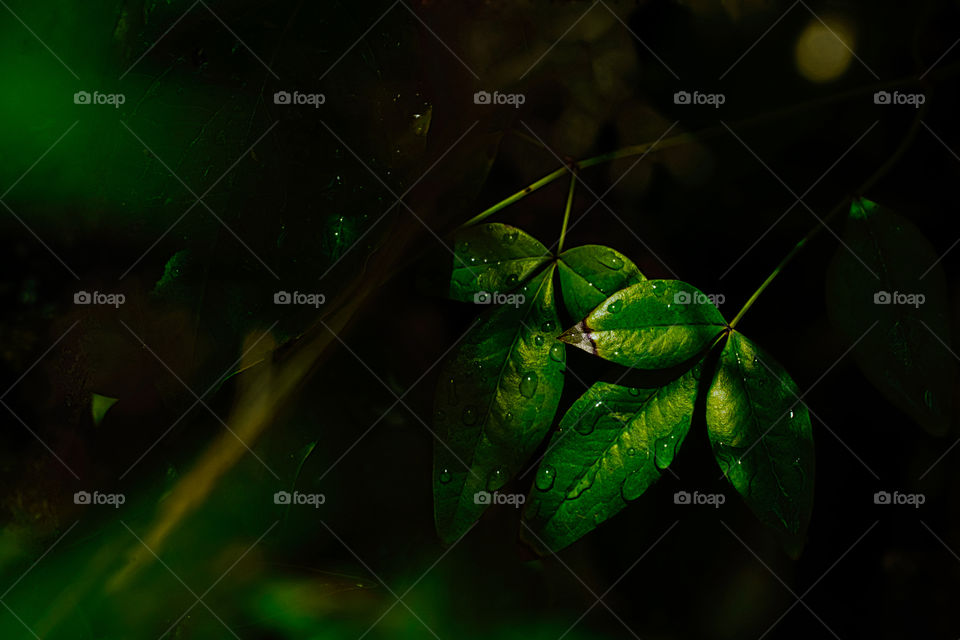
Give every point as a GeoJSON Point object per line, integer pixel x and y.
{"type": "Point", "coordinates": [644, 325]}
{"type": "Point", "coordinates": [510, 410]}
{"type": "Point", "coordinates": [766, 455]}
{"type": "Point", "coordinates": [587, 277]}
{"type": "Point", "coordinates": [485, 260]}
{"type": "Point", "coordinates": [906, 353]}
{"type": "Point", "coordinates": [599, 469]}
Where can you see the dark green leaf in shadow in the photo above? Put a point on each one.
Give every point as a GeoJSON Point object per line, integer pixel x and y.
{"type": "Point", "coordinates": [897, 315]}
{"type": "Point", "coordinates": [761, 437]}
{"type": "Point", "coordinates": [655, 324]}
{"type": "Point", "coordinates": [590, 274]}
{"type": "Point", "coordinates": [496, 399]}
{"type": "Point", "coordinates": [493, 258]}
{"type": "Point", "coordinates": [611, 445]}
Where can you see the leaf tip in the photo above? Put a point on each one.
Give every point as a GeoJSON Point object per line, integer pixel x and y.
{"type": "Point", "coordinates": [580, 337]}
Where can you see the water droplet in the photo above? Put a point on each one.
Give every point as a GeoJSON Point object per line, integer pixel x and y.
{"type": "Point", "coordinates": [615, 306]}
{"type": "Point", "coordinates": [539, 340]}
{"type": "Point", "coordinates": [633, 392]}
{"type": "Point", "coordinates": [664, 450]}
{"type": "Point", "coordinates": [549, 326]}
{"type": "Point", "coordinates": [631, 451]}
{"type": "Point", "coordinates": [611, 261]}
{"type": "Point", "coordinates": [528, 384]}
{"type": "Point", "coordinates": [546, 475]}
{"type": "Point", "coordinates": [556, 352]}
{"type": "Point", "coordinates": [790, 417]}
{"type": "Point", "coordinates": [508, 417]}
{"type": "Point", "coordinates": [464, 247]}
{"type": "Point", "coordinates": [469, 416]}
{"type": "Point", "coordinates": [452, 391]}
{"type": "Point", "coordinates": [512, 280]}
{"type": "Point", "coordinates": [497, 478]}
{"type": "Point", "coordinates": [510, 238]}
{"type": "Point", "coordinates": [445, 476]}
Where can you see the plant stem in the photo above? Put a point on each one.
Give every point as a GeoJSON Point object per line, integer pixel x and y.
{"type": "Point", "coordinates": [566, 211]}
{"type": "Point", "coordinates": [683, 138]}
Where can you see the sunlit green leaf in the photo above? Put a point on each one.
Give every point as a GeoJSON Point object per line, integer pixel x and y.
{"type": "Point", "coordinates": [654, 324]}
{"type": "Point", "coordinates": [497, 395]}
{"type": "Point", "coordinates": [590, 274]}
{"type": "Point", "coordinates": [761, 437]}
{"type": "Point", "coordinates": [493, 258]}
{"type": "Point", "coordinates": [99, 405]}
{"type": "Point", "coordinates": [611, 445]}
{"type": "Point", "coordinates": [898, 316]}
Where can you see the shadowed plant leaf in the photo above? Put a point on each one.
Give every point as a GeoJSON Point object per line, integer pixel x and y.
{"type": "Point", "coordinates": [761, 437]}
{"type": "Point", "coordinates": [654, 324]}
{"type": "Point", "coordinates": [611, 445]}
{"type": "Point", "coordinates": [493, 258]}
{"type": "Point", "coordinates": [590, 274]}
{"type": "Point", "coordinates": [897, 315]}
{"type": "Point", "coordinates": [497, 395]}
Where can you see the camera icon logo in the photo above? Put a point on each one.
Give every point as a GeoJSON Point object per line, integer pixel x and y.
{"type": "Point", "coordinates": [281, 497]}
{"type": "Point", "coordinates": [282, 297]}
{"type": "Point", "coordinates": [482, 297]}
{"type": "Point", "coordinates": [682, 297]}
{"type": "Point", "coordinates": [81, 497]}
{"type": "Point", "coordinates": [682, 497]}
{"type": "Point", "coordinates": [881, 497]}
{"type": "Point", "coordinates": [81, 97]}
{"type": "Point", "coordinates": [282, 97]}
{"type": "Point", "coordinates": [482, 497]}
{"type": "Point", "coordinates": [682, 97]}
{"type": "Point", "coordinates": [482, 97]}
{"type": "Point", "coordinates": [82, 297]}
{"type": "Point", "coordinates": [882, 297]}
{"type": "Point", "coordinates": [881, 97]}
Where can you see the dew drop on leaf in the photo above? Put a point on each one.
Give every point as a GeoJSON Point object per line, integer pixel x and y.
{"type": "Point", "coordinates": [546, 475]}
{"type": "Point", "coordinates": [528, 384]}
{"type": "Point", "coordinates": [496, 479]}
{"type": "Point", "coordinates": [634, 392]}
{"type": "Point", "coordinates": [556, 352]}
{"type": "Point", "coordinates": [469, 416]}
{"type": "Point", "coordinates": [549, 326]}
{"type": "Point", "coordinates": [452, 391]}
{"type": "Point", "coordinates": [615, 306]}
{"type": "Point", "coordinates": [539, 340]}
{"type": "Point", "coordinates": [510, 238]}
{"type": "Point", "coordinates": [445, 476]}
{"type": "Point", "coordinates": [512, 279]}
{"type": "Point", "coordinates": [611, 261]}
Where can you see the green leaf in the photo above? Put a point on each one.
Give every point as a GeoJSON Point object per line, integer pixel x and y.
{"type": "Point", "coordinates": [905, 354]}
{"type": "Point", "coordinates": [611, 445]}
{"type": "Point", "coordinates": [493, 258]}
{"type": "Point", "coordinates": [761, 437]}
{"type": "Point", "coordinates": [496, 399]}
{"type": "Point", "coordinates": [654, 324]}
{"type": "Point", "coordinates": [99, 405]}
{"type": "Point", "coordinates": [590, 274]}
